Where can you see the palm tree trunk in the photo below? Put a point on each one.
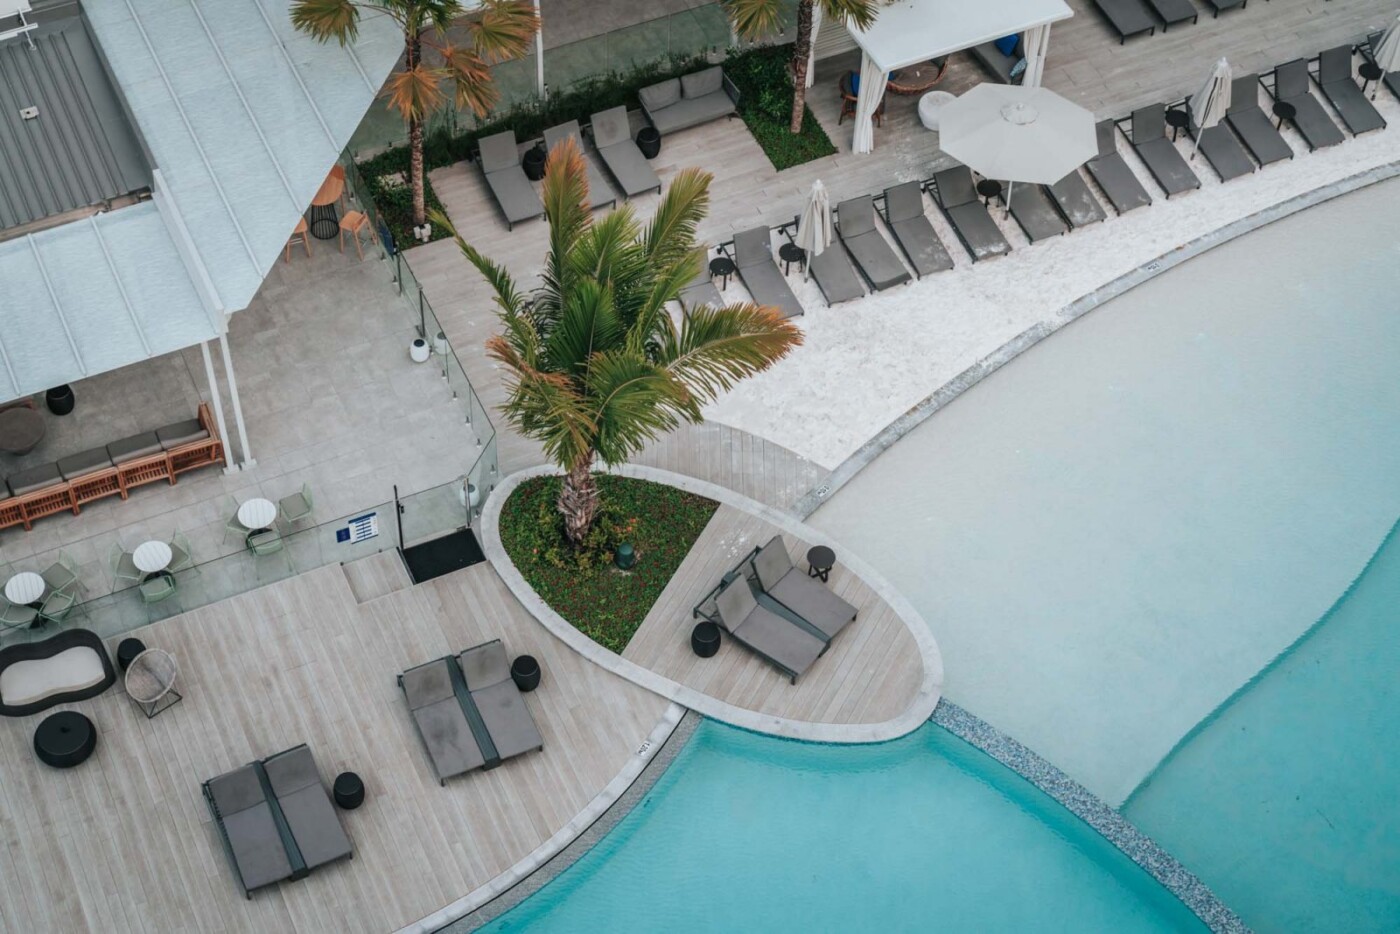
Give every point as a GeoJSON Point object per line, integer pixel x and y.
{"type": "Point", "coordinates": [412, 53]}
{"type": "Point", "coordinates": [578, 500]}
{"type": "Point", "coordinates": [801, 52]}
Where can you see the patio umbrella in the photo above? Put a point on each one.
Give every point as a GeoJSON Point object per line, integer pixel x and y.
{"type": "Point", "coordinates": [814, 225]}
{"type": "Point", "coordinates": [1208, 105]}
{"type": "Point", "coordinates": [1386, 53]}
{"type": "Point", "coordinates": [1017, 133]}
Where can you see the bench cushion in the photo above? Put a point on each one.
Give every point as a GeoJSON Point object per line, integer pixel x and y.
{"type": "Point", "coordinates": [700, 83]}
{"type": "Point", "coordinates": [137, 446]}
{"type": "Point", "coordinates": [693, 112]}
{"type": "Point", "coordinates": [88, 462]}
{"type": "Point", "coordinates": [33, 680]}
{"type": "Point", "coordinates": [35, 478]}
{"type": "Point", "coordinates": [172, 436]}
{"type": "Point", "coordinates": [657, 96]}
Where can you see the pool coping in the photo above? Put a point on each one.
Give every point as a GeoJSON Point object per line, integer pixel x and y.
{"type": "Point", "coordinates": [914, 715]}
{"type": "Point", "coordinates": [1105, 821]}
{"type": "Point", "coordinates": [847, 470]}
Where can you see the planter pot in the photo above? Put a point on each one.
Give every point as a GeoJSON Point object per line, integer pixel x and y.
{"type": "Point", "coordinates": [525, 672]}
{"type": "Point", "coordinates": [60, 399]}
{"type": "Point", "coordinates": [704, 639]}
{"type": "Point", "coordinates": [649, 141]}
{"type": "Point", "coordinates": [418, 350]}
{"type": "Point", "coordinates": [533, 164]}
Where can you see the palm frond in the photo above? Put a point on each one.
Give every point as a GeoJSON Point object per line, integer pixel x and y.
{"type": "Point", "coordinates": [716, 347]}
{"type": "Point", "coordinates": [415, 92]}
{"type": "Point", "coordinates": [860, 13]}
{"type": "Point", "coordinates": [507, 296]}
{"type": "Point", "coordinates": [325, 20]}
{"type": "Point", "coordinates": [587, 325]}
{"type": "Point", "coordinates": [472, 84]}
{"type": "Point", "coordinates": [544, 406]}
{"type": "Point", "coordinates": [754, 19]}
{"type": "Point", "coordinates": [502, 29]}
{"type": "Point", "coordinates": [671, 233]}
{"type": "Point", "coordinates": [652, 318]}
{"type": "Point", "coordinates": [636, 401]}
{"type": "Point", "coordinates": [565, 197]}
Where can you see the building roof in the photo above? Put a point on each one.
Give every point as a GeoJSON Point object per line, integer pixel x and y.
{"type": "Point", "coordinates": [910, 31]}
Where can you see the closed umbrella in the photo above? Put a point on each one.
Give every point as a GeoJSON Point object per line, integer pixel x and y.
{"type": "Point", "coordinates": [814, 224]}
{"type": "Point", "coordinates": [1208, 105]}
{"type": "Point", "coordinates": [1386, 54]}
{"type": "Point", "coordinates": [1017, 133]}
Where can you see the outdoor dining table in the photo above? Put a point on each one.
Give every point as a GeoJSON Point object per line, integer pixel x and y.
{"type": "Point", "coordinates": [257, 514]}
{"type": "Point", "coordinates": [325, 225]}
{"type": "Point", "coordinates": [26, 587]}
{"type": "Point", "coordinates": [152, 558]}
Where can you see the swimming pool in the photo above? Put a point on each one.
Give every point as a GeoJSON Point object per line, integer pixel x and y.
{"type": "Point", "coordinates": [751, 833]}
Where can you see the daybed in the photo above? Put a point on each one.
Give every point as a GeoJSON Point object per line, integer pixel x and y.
{"type": "Point", "coordinates": [68, 667]}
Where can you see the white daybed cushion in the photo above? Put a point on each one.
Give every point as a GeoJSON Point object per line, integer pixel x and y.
{"type": "Point", "coordinates": [31, 681]}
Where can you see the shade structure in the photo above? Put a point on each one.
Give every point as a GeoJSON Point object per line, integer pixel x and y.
{"type": "Point", "coordinates": [1387, 52]}
{"type": "Point", "coordinates": [814, 224]}
{"type": "Point", "coordinates": [1209, 104]}
{"type": "Point", "coordinates": [1017, 134]}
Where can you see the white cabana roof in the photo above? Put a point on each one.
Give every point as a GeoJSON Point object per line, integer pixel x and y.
{"type": "Point", "coordinates": [911, 31]}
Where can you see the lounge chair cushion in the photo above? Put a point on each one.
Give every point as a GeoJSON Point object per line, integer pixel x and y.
{"type": "Point", "coordinates": [133, 448]}
{"type": "Point", "coordinates": [699, 83]}
{"type": "Point", "coordinates": [701, 291]}
{"type": "Point", "coordinates": [306, 806]}
{"type": "Point", "coordinates": [35, 478]}
{"type": "Point", "coordinates": [440, 719]}
{"type": "Point", "coordinates": [663, 94]}
{"type": "Point", "coordinates": [4, 491]}
{"type": "Point", "coordinates": [806, 596]}
{"type": "Point", "coordinates": [172, 436]}
{"type": "Point", "coordinates": [515, 194]}
{"type": "Point", "coordinates": [258, 852]}
{"type": "Point", "coordinates": [88, 462]}
{"type": "Point", "coordinates": [485, 665]}
{"type": "Point", "coordinates": [856, 216]}
{"type": "Point", "coordinates": [692, 112]}
{"type": "Point", "coordinates": [498, 152]}
{"type": "Point", "coordinates": [765, 632]}
{"type": "Point", "coordinates": [428, 684]}
{"type": "Point", "coordinates": [753, 248]}
{"type": "Point", "coordinates": [507, 719]}
{"type": "Point", "coordinates": [611, 127]}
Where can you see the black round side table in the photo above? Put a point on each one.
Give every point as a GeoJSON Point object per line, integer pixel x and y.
{"type": "Point", "coordinates": [348, 791]}
{"type": "Point", "coordinates": [649, 141]}
{"type": "Point", "coordinates": [127, 650]}
{"type": "Point", "coordinates": [1178, 120]}
{"type": "Point", "coordinates": [65, 739]}
{"type": "Point", "coordinates": [723, 267]}
{"type": "Point", "coordinates": [820, 560]}
{"type": "Point", "coordinates": [704, 639]}
{"type": "Point", "coordinates": [60, 399]}
{"type": "Point", "coordinates": [525, 672]}
{"type": "Point", "coordinates": [1284, 111]}
{"type": "Point", "coordinates": [791, 253]}
{"type": "Point", "coordinates": [1369, 71]}
{"type": "Point", "coordinates": [533, 163]}
{"type": "Point", "coordinates": [989, 188]}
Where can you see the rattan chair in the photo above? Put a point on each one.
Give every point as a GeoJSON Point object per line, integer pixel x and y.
{"type": "Point", "coordinates": [150, 682]}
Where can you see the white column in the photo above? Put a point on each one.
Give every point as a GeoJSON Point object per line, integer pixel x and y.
{"type": "Point", "coordinates": [539, 53]}
{"type": "Point", "coordinates": [248, 461]}
{"type": "Point", "coordinates": [872, 90]}
{"type": "Point", "coordinates": [217, 404]}
{"type": "Point", "coordinates": [812, 52]}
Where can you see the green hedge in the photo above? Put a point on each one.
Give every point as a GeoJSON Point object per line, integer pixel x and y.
{"type": "Point", "coordinates": [764, 79]}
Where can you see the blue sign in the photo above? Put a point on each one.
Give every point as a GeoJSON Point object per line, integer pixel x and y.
{"type": "Point", "coordinates": [358, 529]}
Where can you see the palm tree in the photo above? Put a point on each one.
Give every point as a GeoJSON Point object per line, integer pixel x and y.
{"type": "Point", "coordinates": [595, 365]}
{"type": "Point", "coordinates": [756, 19]}
{"type": "Point", "coordinates": [495, 30]}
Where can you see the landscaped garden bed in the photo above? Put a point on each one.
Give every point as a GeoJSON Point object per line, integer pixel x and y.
{"type": "Point", "coordinates": [585, 586]}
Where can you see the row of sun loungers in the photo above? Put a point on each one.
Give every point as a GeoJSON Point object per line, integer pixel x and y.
{"type": "Point", "coordinates": [1132, 17]}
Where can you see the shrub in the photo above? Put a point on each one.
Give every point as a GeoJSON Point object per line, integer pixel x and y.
{"type": "Point", "coordinates": [764, 79]}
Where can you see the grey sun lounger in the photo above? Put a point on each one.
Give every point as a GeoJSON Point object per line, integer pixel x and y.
{"type": "Point", "coordinates": [1334, 76]}
{"type": "Point", "coordinates": [753, 256]}
{"type": "Point", "coordinates": [1128, 17]}
{"type": "Point", "coordinates": [316, 829]}
{"type": "Point", "coordinates": [855, 226]}
{"type": "Point", "coordinates": [486, 671]}
{"type": "Point", "coordinates": [701, 291]}
{"type": "Point", "coordinates": [957, 199]}
{"type": "Point", "coordinates": [455, 744]}
{"type": "Point", "coordinates": [1077, 203]}
{"type": "Point", "coordinates": [512, 190]}
{"type": "Point", "coordinates": [599, 191]}
{"type": "Point", "coordinates": [612, 134]}
{"type": "Point", "coordinates": [1174, 11]}
{"type": "Point", "coordinates": [782, 643]}
{"type": "Point", "coordinates": [1392, 78]}
{"type": "Point", "coordinates": [1223, 151]}
{"type": "Point", "coordinates": [1163, 159]}
{"type": "Point", "coordinates": [1114, 176]}
{"type": "Point", "coordinates": [805, 596]}
{"type": "Point", "coordinates": [904, 213]}
{"type": "Point", "coordinates": [835, 275]}
{"type": "Point", "coordinates": [1036, 213]}
{"type": "Point", "coordinates": [1220, 6]}
{"type": "Point", "coordinates": [1309, 119]}
{"type": "Point", "coordinates": [1252, 125]}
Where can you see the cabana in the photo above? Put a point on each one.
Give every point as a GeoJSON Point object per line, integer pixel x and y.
{"type": "Point", "coordinates": [907, 32]}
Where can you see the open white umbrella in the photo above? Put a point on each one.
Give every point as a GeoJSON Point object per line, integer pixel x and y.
{"type": "Point", "coordinates": [1386, 53]}
{"type": "Point", "coordinates": [814, 224]}
{"type": "Point", "coordinates": [1017, 133]}
{"type": "Point", "coordinates": [1208, 105]}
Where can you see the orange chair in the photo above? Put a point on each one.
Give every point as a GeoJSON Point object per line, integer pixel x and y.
{"type": "Point", "coordinates": [355, 223]}
{"type": "Point", "coordinates": [302, 235]}
{"type": "Point", "coordinates": [338, 172]}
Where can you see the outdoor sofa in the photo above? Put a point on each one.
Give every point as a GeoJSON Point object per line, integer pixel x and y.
{"type": "Point", "coordinates": [1076, 202]}
{"type": "Point", "coordinates": [832, 270]}
{"type": "Point", "coordinates": [1127, 17]}
{"type": "Point", "coordinates": [690, 100]}
{"type": "Point", "coordinates": [61, 669]}
{"type": "Point", "coordinates": [1163, 159]}
{"type": "Point", "coordinates": [1309, 119]}
{"type": "Point", "coordinates": [958, 200]}
{"type": "Point", "coordinates": [500, 162]}
{"type": "Point", "coordinates": [990, 56]}
{"type": "Point", "coordinates": [877, 261]}
{"type": "Point", "coordinates": [612, 134]}
{"type": "Point", "coordinates": [753, 258]}
{"type": "Point", "coordinates": [1334, 76]}
{"type": "Point", "coordinates": [1263, 140]}
{"type": "Point", "coordinates": [276, 820]}
{"type": "Point", "coordinates": [599, 191]}
{"type": "Point", "coordinates": [904, 213]}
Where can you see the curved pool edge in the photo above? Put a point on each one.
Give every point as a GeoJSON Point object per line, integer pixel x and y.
{"type": "Point", "coordinates": [951, 390]}
{"type": "Point", "coordinates": [920, 708]}
{"type": "Point", "coordinates": [1104, 820]}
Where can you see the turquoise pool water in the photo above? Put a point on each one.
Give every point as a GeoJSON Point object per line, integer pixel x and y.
{"type": "Point", "coordinates": [1287, 800]}
{"type": "Point", "coordinates": [750, 833]}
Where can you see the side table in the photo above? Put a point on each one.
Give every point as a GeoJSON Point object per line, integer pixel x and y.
{"type": "Point", "coordinates": [704, 639]}
{"type": "Point", "coordinates": [820, 561]}
{"type": "Point", "coordinates": [722, 267]}
{"type": "Point", "coordinates": [127, 650]}
{"type": "Point", "coordinates": [1178, 120]}
{"type": "Point", "coordinates": [1284, 111]}
{"type": "Point", "coordinates": [533, 163]}
{"type": "Point", "coordinates": [65, 739]}
{"type": "Point", "coordinates": [348, 791]}
{"type": "Point", "coordinates": [791, 253]}
{"type": "Point", "coordinates": [525, 672]}
{"type": "Point", "coordinates": [989, 188]}
{"type": "Point", "coordinates": [649, 141]}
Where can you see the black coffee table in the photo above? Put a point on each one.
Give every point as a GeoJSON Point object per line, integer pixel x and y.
{"type": "Point", "coordinates": [65, 739]}
{"type": "Point", "coordinates": [791, 253]}
{"type": "Point", "coordinates": [1284, 111]}
{"type": "Point", "coordinates": [820, 560]}
{"type": "Point", "coordinates": [723, 267]}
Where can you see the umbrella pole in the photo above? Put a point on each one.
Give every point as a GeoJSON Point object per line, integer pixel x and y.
{"type": "Point", "coordinates": [1007, 212]}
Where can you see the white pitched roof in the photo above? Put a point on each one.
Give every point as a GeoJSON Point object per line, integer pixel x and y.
{"type": "Point", "coordinates": [910, 31]}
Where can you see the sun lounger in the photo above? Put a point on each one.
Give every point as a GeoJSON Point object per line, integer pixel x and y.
{"type": "Point", "coordinates": [454, 743]}
{"type": "Point", "coordinates": [1219, 6]}
{"type": "Point", "coordinates": [806, 596]}
{"type": "Point", "coordinates": [1128, 17]}
{"type": "Point", "coordinates": [835, 275]}
{"type": "Point", "coordinates": [1309, 119]}
{"type": "Point", "coordinates": [612, 134]}
{"type": "Point", "coordinates": [1253, 126]}
{"type": "Point", "coordinates": [1392, 78]}
{"type": "Point", "coordinates": [1036, 213]}
{"type": "Point", "coordinates": [1222, 150]}
{"type": "Point", "coordinates": [242, 811]}
{"type": "Point", "coordinates": [957, 199]}
{"type": "Point", "coordinates": [753, 256]}
{"type": "Point", "coordinates": [1174, 11]}
{"type": "Point", "coordinates": [486, 671]}
{"type": "Point", "coordinates": [1114, 176]}
{"type": "Point", "coordinates": [701, 291]}
{"type": "Point", "coordinates": [512, 190]}
{"type": "Point", "coordinates": [1163, 159]}
{"type": "Point", "coordinates": [1077, 203]}
{"type": "Point", "coordinates": [782, 643]}
{"type": "Point", "coordinates": [1334, 76]}
{"type": "Point", "coordinates": [315, 828]}
{"type": "Point", "coordinates": [855, 225]}
{"type": "Point", "coordinates": [904, 212]}
{"type": "Point", "coordinates": [599, 192]}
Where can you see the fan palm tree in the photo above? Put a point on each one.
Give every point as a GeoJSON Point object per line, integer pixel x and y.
{"type": "Point", "coordinates": [494, 30]}
{"type": "Point", "coordinates": [756, 19]}
{"type": "Point", "coordinates": [595, 365]}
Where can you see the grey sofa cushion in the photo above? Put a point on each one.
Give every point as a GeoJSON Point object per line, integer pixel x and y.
{"type": "Point", "coordinates": [700, 83]}
{"type": "Point", "coordinates": [252, 834]}
{"type": "Point", "coordinates": [88, 462]}
{"type": "Point", "coordinates": [35, 478]}
{"type": "Point", "coordinates": [657, 96]}
{"type": "Point", "coordinates": [172, 436]}
{"type": "Point", "coordinates": [692, 112]}
{"type": "Point", "coordinates": [133, 448]}
{"type": "Point", "coordinates": [313, 822]}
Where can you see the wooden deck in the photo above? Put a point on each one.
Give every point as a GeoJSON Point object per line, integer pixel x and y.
{"type": "Point", "coordinates": [124, 842]}
{"type": "Point", "coordinates": [870, 674]}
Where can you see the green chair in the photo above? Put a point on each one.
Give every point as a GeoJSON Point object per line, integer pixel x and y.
{"type": "Point", "coordinates": [122, 565]}
{"type": "Point", "coordinates": [181, 554]}
{"type": "Point", "coordinates": [158, 587]}
{"type": "Point", "coordinates": [296, 507]}
{"type": "Point", "coordinates": [17, 615]}
{"type": "Point", "coordinates": [63, 574]}
{"type": "Point", "coordinates": [264, 543]}
{"type": "Point", "coordinates": [233, 525]}
{"type": "Point", "coordinates": [57, 605]}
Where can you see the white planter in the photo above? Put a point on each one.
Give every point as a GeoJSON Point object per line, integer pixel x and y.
{"type": "Point", "coordinates": [418, 350]}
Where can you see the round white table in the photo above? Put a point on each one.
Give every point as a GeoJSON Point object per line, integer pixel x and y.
{"type": "Point", "coordinates": [257, 514]}
{"type": "Point", "coordinates": [25, 587]}
{"type": "Point", "coordinates": [151, 557]}
{"type": "Point", "coordinates": [929, 106]}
